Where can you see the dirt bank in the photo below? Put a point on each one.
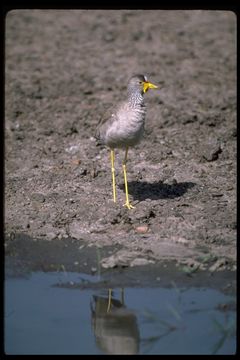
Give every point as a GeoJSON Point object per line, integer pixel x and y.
{"type": "Point", "coordinates": [63, 68]}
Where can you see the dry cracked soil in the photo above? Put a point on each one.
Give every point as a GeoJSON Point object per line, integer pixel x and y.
{"type": "Point", "coordinates": [63, 68]}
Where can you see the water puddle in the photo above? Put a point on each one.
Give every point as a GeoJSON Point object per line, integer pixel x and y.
{"type": "Point", "coordinates": [59, 313]}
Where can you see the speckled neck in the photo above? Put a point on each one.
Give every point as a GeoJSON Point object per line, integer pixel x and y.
{"type": "Point", "coordinates": [135, 99]}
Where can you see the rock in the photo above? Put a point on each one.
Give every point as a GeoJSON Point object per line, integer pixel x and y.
{"type": "Point", "coordinates": [142, 214]}
{"type": "Point", "coordinates": [39, 197]}
{"type": "Point", "coordinates": [73, 149]}
{"type": "Point", "coordinates": [93, 270]}
{"type": "Point", "coordinates": [141, 261]}
{"type": "Point", "coordinates": [172, 182]}
{"type": "Point", "coordinates": [51, 235]}
{"type": "Point", "coordinates": [142, 229]}
{"type": "Point", "coordinates": [211, 150]}
{"type": "Point", "coordinates": [220, 264]}
{"type": "Point", "coordinates": [122, 258]}
{"type": "Point", "coordinates": [76, 162]}
{"type": "Point", "coordinates": [81, 171]}
{"type": "Point", "coordinates": [75, 230]}
{"type": "Point", "coordinates": [50, 232]}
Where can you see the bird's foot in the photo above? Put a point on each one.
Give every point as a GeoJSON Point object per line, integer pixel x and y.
{"type": "Point", "coordinates": [129, 206]}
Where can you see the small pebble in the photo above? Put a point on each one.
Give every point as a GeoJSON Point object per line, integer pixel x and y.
{"type": "Point", "coordinates": [76, 162]}
{"type": "Point", "coordinates": [38, 197]}
{"type": "Point", "coordinates": [142, 229]}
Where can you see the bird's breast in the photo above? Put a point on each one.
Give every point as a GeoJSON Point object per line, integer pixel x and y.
{"type": "Point", "coordinates": [127, 127]}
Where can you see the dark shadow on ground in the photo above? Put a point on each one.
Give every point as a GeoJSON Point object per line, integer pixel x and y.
{"type": "Point", "coordinates": [157, 190]}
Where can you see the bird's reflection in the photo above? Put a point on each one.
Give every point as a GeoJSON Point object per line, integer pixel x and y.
{"type": "Point", "coordinates": [115, 327]}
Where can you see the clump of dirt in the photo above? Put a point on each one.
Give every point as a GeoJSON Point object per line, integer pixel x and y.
{"type": "Point", "coordinates": [63, 68]}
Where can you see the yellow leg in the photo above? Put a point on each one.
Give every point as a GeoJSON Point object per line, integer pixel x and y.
{"type": "Point", "coordinates": [109, 299]}
{"type": "Point", "coordinates": [127, 204]}
{"type": "Point", "coordinates": [113, 175]}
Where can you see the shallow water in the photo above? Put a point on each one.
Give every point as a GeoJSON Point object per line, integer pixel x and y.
{"type": "Point", "coordinates": [57, 313]}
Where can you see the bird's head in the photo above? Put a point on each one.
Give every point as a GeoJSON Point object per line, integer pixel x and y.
{"type": "Point", "coordinates": [140, 84]}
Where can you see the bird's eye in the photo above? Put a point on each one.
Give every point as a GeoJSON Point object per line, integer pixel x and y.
{"type": "Point", "coordinates": [140, 82]}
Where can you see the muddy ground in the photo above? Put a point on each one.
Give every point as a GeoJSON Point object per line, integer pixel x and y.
{"type": "Point", "coordinates": [63, 69]}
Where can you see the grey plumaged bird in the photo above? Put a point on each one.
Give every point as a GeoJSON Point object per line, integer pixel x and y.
{"type": "Point", "coordinates": [122, 126]}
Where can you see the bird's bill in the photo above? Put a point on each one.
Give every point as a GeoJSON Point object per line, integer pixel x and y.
{"type": "Point", "coordinates": [147, 85]}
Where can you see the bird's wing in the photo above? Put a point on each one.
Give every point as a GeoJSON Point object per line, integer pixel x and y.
{"type": "Point", "coordinates": [109, 116]}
